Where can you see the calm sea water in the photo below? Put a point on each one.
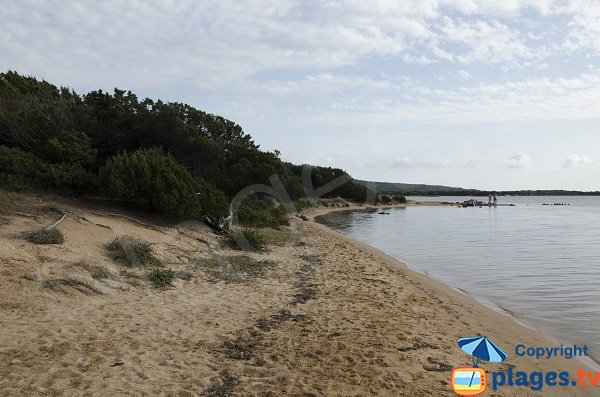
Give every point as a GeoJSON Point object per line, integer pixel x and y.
{"type": "Point", "coordinates": [539, 262]}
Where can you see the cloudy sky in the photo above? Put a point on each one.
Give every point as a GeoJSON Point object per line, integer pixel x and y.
{"type": "Point", "coordinates": [484, 94]}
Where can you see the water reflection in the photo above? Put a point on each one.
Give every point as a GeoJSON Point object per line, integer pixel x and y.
{"type": "Point", "coordinates": [540, 262]}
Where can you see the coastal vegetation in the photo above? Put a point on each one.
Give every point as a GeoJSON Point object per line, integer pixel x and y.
{"type": "Point", "coordinates": [132, 252]}
{"type": "Point", "coordinates": [162, 278]}
{"type": "Point", "coordinates": [253, 237]}
{"type": "Point", "coordinates": [45, 236]}
{"type": "Point", "coordinates": [165, 157]}
{"type": "Point", "coordinates": [391, 199]}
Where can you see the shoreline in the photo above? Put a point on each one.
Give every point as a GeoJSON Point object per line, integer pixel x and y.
{"type": "Point", "coordinates": [325, 316]}
{"type": "Point", "coordinates": [519, 325]}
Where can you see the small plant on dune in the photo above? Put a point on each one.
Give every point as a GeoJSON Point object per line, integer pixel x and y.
{"type": "Point", "coordinates": [252, 237]}
{"type": "Point", "coordinates": [162, 278]}
{"type": "Point", "coordinates": [132, 251]}
{"type": "Point", "coordinates": [45, 236]}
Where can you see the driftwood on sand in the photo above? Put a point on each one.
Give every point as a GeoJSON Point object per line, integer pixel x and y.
{"type": "Point", "coordinates": [83, 218]}
{"type": "Point", "coordinates": [64, 216]}
{"type": "Point", "coordinates": [140, 223]}
{"type": "Point", "coordinates": [222, 225]}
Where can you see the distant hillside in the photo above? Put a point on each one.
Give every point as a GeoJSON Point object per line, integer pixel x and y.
{"type": "Point", "coordinates": [420, 189]}
{"type": "Point", "coordinates": [410, 189]}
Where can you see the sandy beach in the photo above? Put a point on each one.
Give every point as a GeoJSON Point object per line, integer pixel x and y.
{"type": "Point", "coordinates": [329, 316]}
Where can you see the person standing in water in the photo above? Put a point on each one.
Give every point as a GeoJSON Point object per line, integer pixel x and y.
{"type": "Point", "coordinates": [495, 199]}
{"type": "Point", "coordinates": [490, 200]}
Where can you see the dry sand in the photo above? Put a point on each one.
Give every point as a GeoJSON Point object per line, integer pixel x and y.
{"type": "Point", "coordinates": [330, 317]}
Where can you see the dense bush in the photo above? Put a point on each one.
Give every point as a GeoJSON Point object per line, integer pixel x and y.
{"type": "Point", "coordinates": [64, 135]}
{"type": "Point", "coordinates": [258, 212]}
{"type": "Point", "coordinates": [399, 199]}
{"type": "Point", "coordinates": [302, 204]}
{"type": "Point", "coordinates": [391, 199]}
{"type": "Point", "coordinates": [71, 147]}
{"type": "Point", "coordinates": [212, 201]}
{"type": "Point", "coordinates": [156, 181]}
{"type": "Point", "coordinates": [385, 199]}
{"type": "Point", "coordinates": [45, 236]}
{"type": "Point", "coordinates": [20, 170]}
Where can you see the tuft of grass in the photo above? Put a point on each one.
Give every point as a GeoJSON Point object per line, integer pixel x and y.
{"type": "Point", "coordinates": [162, 278]}
{"type": "Point", "coordinates": [132, 251]}
{"type": "Point", "coordinates": [45, 236]}
{"type": "Point", "coordinates": [247, 238]}
{"type": "Point", "coordinates": [233, 269]}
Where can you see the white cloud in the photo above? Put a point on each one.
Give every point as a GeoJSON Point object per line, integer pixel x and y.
{"type": "Point", "coordinates": [385, 100]}
{"type": "Point", "coordinates": [318, 62]}
{"type": "Point", "coordinates": [488, 42]}
{"type": "Point", "coordinates": [584, 26]}
{"type": "Point", "coordinates": [409, 162]}
{"type": "Point", "coordinates": [519, 160]}
{"type": "Point", "coordinates": [464, 74]}
{"type": "Point", "coordinates": [160, 43]}
{"type": "Point", "coordinates": [576, 160]}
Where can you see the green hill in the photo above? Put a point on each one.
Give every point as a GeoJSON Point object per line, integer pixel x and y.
{"type": "Point", "coordinates": [166, 157]}
{"type": "Point", "coordinates": [411, 189]}
{"type": "Point", "coordinates": [419, 189]}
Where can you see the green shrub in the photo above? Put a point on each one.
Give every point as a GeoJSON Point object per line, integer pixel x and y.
{"type": "Point", "coordinates": [24, 171]}
{"type": "Point", "coordinates": [399, 199]}
{"type": "Point", "coordinates": [385, 199]}
{"type": "Point", "coordinates": [257, 212]}
{"type": "Point", "coordinates": [132, 251]}
{"type": "Point", "coordinates": [156, 181]}
{"type": "Point", "coordinates": [301, 204]}
{"type": "Point", "coordinates": [252, 236]}
{"type": "Point", "coordinates": [162, 278]}
{"type": "Point", "coordinates": [212, 200]}
{"type": "Point", "coordinates": [45, 236]}
{"type": "Point", "coordinates": [70, 147]}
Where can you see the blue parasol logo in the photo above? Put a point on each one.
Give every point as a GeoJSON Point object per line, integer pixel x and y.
{"type": "Point", "coordinates": [481, 348]}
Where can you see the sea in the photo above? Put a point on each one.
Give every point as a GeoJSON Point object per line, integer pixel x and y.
{"type": "Point", "coordinates": [535, 260]}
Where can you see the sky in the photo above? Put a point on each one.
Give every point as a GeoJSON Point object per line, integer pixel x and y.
{"type": "Point", "coordinates": [481, 94]}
